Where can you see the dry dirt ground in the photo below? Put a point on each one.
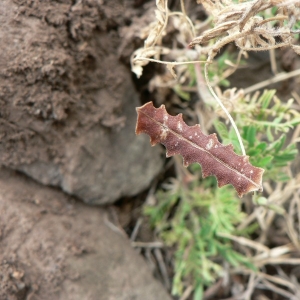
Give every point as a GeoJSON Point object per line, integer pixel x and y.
{"type": "Point", "coordinates": [54, 247]}
{"type": "Point", "coordinates": [67, 120]}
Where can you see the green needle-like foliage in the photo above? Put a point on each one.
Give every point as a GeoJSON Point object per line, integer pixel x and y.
{"type": "Point", "coordinates": [190, 220]}
{"type": "Point", "coordinates": [264, 122]}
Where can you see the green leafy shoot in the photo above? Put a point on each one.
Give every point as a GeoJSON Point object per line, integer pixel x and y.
{"type": "Point", "coordinates": [268, 120]}
{"type": "Point", "coordinates": [190, 219]}
{"type": "Point", "coordinates": [267, 113]}
{"type": "Point", "coordinates": [217, 71]}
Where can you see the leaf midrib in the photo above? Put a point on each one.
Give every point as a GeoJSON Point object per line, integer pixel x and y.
{"type": "Point", "coordinates": [202, 149]}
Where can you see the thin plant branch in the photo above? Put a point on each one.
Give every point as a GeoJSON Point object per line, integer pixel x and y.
{"type": "Point", "coordinates": [277, 78]}
{"type": "Point", "coordinates": [225, 110]}
{"type": "Point", "coordinates": [174, 63]}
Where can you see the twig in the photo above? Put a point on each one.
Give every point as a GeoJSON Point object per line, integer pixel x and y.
{"type": "Point", "coordinates": [261, 275]}
{"type": "Point", "coordinates": [225, 110]}
{"type": "Point", "coordinates": [276, 289]}
{"type": "Point", "coordinates": [245, 242]}
{"type": "Point", "coordinates": [293, 210]}
{"type": "Point", "coordinates": [250, 286]}
{"type": "Point", "coordinates": [279, 77]}
{"type": "Point", "coordinates": [202, 89]}
{"type": "Point", "coordinates": [213, 289]}
{"type": "Point", "coordinates": [114, 227]}
{"type": "Point", "coordinates": [187, 292]}
{"type": "Point", "coordinates": [278, 261]}
{"type": "Point", "coordinates": [147, 245]}
{"type": "Point", "coordinates": [136, 229]}
{"type": "Point", "coordinates": [162, 268]}
{"type": "Point", "coordinates": [150, 260]}
{"type": "Point", "coordinates": [273, 61]}
{"type": "Point", "coordinates": [174, 63]}
{"type": "Point", "coordinates": [188, 20]}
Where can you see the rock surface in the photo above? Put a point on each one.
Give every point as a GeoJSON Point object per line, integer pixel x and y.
{"type": "Point", "coordinates": [53, 247]}
{"type": "Point", "coordinates": [67, 103]}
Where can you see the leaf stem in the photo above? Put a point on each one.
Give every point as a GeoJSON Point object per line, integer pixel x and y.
{"type": "Point", "coordinates": [289, 124]}
{"type": "Point", "coordinates": [174, 63]}
{"type": "Point", "coordinates": [225, 110]}
{"type": "Point", "coordinates": [277, 78]}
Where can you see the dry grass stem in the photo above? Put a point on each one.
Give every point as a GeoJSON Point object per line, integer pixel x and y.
{"type": "Point", "coordinates": [162, 268]}
{"type": "Point", "coordinates": [277, 78]}
{"type": "Point", "coordinates": [187, 293]}
{"type": "Point", "coordinates": [245, 242]}
{"type": "Point", "coordinates": [149, 245]}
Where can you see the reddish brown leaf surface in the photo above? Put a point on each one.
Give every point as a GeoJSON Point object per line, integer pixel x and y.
{"type": "Point", "coordinates": [196, 147]}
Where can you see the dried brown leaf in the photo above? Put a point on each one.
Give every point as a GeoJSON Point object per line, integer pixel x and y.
{"type": "Point", "coordinates": [196, 147]}
{"type": "Point", "coordinates": [251, 11]}
{"type": "Point", "coordinates": [212, 33]}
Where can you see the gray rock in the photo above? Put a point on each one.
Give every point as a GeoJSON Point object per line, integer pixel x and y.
{"type": "Point", "coordinates": [103, 164]}
{"type": "Point", "coordinates": [68, 104]}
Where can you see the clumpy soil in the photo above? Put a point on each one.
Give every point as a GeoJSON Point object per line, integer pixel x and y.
{"type": "Point", "coordinates": [42, 78]}
{"type": "Point", "coordinates": [55, 58]}
{"type": "Point", "coordinates": [68, 100]}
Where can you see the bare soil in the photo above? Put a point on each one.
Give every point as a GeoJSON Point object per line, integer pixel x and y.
{"type": "Point", "coordinates": [54, 247]}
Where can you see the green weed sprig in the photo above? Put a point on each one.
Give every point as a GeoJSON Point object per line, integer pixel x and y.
{"type": "Point", "coordinates": [264, 121]}
{"type": "Point", "coordinates": [190, 219]}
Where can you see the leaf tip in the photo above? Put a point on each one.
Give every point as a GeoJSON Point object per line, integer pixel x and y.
{"type": "Point", "coordinates": [185, 163]}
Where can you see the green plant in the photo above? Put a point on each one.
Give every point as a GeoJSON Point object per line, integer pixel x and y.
{"type": "Point", "coordinates": [192, 219]}
{"type": "Point", "coordinates": [205, 226]}
{"type": "Point", "coordinates": [196, 218]}
{"type": "Point", "coordinates": [264, 121]}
